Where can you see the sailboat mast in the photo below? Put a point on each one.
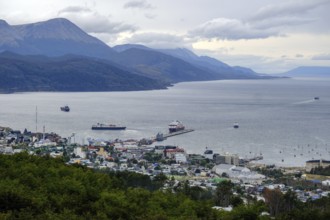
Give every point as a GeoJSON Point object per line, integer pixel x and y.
{"type": "Point", "coordinates": [36, 119]}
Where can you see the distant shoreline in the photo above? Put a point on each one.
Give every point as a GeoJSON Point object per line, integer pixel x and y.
{"type": "Point", "coordinates": [139, 90]}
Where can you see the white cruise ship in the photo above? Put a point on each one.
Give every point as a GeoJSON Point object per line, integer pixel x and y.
{"type": "Point", "coordinates": [175, 126]}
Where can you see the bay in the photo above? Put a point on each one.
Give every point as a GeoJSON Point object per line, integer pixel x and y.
{"type": "Point", "coordinates": [279, 119]}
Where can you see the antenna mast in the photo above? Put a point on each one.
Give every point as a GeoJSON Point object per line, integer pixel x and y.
{"type": "Point", "coordinates": [36, 119]}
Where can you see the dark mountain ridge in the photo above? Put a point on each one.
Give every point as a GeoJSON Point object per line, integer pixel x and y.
{"type": "Point", "coordinates": [200, 68]}
{"type": "Point", "coordinates": [162, 66]}
{"type": "Point", "coordinates": [21, 73]}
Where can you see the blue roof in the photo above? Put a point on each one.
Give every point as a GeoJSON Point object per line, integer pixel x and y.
{"type": "Point", "coordinates": [315, 181]}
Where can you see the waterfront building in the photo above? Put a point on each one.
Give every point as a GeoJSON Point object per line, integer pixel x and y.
{"type": "Point", "coordinates": [219, 159]}
{"type": "Point", "coordinates": [225, 158]}
{"type": "Point", "coordinates": [180, 158]}
{"type": "Point", "coordinates": [238, 173]}
{"type": "Point", "coordinates": [232, 159]}
{"type": "Point", "coordinates": [170, 153]}
{"type": "Point", "coordinates": [310, 164]}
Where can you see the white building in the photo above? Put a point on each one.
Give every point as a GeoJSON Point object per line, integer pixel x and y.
{"type": "Point", "coordinates": [9, 150]}
{"type": "Point", "coordinates": [326, 182]}
{"type": "Point", "coordinates": [238, 173]}
{"type": "Point", "coordinates": [180, 158]}
{"type": "Point", "coordinates": [208, 154]}
{"type": "Point", "coordinates": [79, 152]}
{"type": "Point", "coordinates": [159, 149]}
{"type": "Point", "coordinates": [226, 157]}
{"type": "Point", "coordinates": [44, 143]}
{"type": "Point", "coordinates": [222, 168]}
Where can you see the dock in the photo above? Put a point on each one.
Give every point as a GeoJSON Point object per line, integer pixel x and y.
{"type": "Point", "coordinates": [160, 136]}
{"type": "Point", "coordinates": [253, 159]}
{"type": "Point", "coordinates": [177, 133]}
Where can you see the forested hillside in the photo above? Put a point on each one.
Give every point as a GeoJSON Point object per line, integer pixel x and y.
{"type": "Point", "coordinates": [35, 187]}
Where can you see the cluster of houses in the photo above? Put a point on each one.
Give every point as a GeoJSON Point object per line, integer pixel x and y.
{"type": "Point", "coordinates": [203, 170]}
{"type": "Point", "coordinates": [10, 138]}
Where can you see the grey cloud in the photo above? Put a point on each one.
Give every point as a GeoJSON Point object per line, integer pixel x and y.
{"type": "Point", "coordinates": [290, 8]}
{"type": "Point", "coordinates": [107, 27]}
{"type": "Point", "coordinates": [92, 22]}
{"type": "Point", "coordinates": [272, 20]}
{"type": "Point", "coordinates": [74, 9]}
{"type": "Point", "coordinates": [157, 40]}
{"type": "Point", "coordinates": [109, 39]}
{"type": "Point", "coordinates": [325, 56]}
{"type": "Point", "coordinates": [281, 22]}
{"type": "Point", "coordinates": [231, 29]}
{"type": "Point", "coordinates": [289, 14]}
{"type": "Point", "coordinates": [260, 64]}
{"type": "Point", "coordinates": [299, 55]}
{"type": "Point", "coordinates": [150, 16]}
{"type": "Point", "coordinates": [222, 51]}
{"type": "Point", "coordinates": [138, 4]}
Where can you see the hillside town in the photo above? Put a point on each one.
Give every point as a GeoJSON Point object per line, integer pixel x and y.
{"type": "Point", "coordinates": [198, 170]}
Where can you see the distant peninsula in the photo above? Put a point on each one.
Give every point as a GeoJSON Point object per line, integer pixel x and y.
{"type": "Point", "coordinates": [309, 72]}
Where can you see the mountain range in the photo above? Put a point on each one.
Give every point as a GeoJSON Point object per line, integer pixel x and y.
{"type": "Point", "coordinates": [56, 55]}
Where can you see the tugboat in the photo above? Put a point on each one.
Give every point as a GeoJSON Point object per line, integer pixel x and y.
{"type": "Point", "coordinates": [100, 126]}
{"type": "Point", "coordinates": [316, 98]}
{"type": "Point", "coordinates": [160, 136]}
{"type": "Point", "coordinates": [65, 108]}
{"type": "Point", "coordinates": [236, 125]}
{"type": "Point", "coordinates": [175, 126]}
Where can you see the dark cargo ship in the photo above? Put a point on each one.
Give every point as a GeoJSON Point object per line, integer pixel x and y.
{"type": "Point", "coordinates": [100, 126]}
{"type": "Point", "coordinates": [65, 108]}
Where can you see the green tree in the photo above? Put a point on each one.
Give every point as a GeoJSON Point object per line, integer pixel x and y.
{"type": "Point", "coordinates": [290, 200]}
{"type": "Point", "coordinates": [274, 200]}
{"type": "Point", "coordinates": [223, 193]}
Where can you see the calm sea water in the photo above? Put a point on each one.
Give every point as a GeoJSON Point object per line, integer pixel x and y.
{"type": "Point", "coordinates": [278, 118]}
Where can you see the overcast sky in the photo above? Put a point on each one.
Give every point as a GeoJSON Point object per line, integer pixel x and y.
{"type": "Point", "coordinates": [268, 36]}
